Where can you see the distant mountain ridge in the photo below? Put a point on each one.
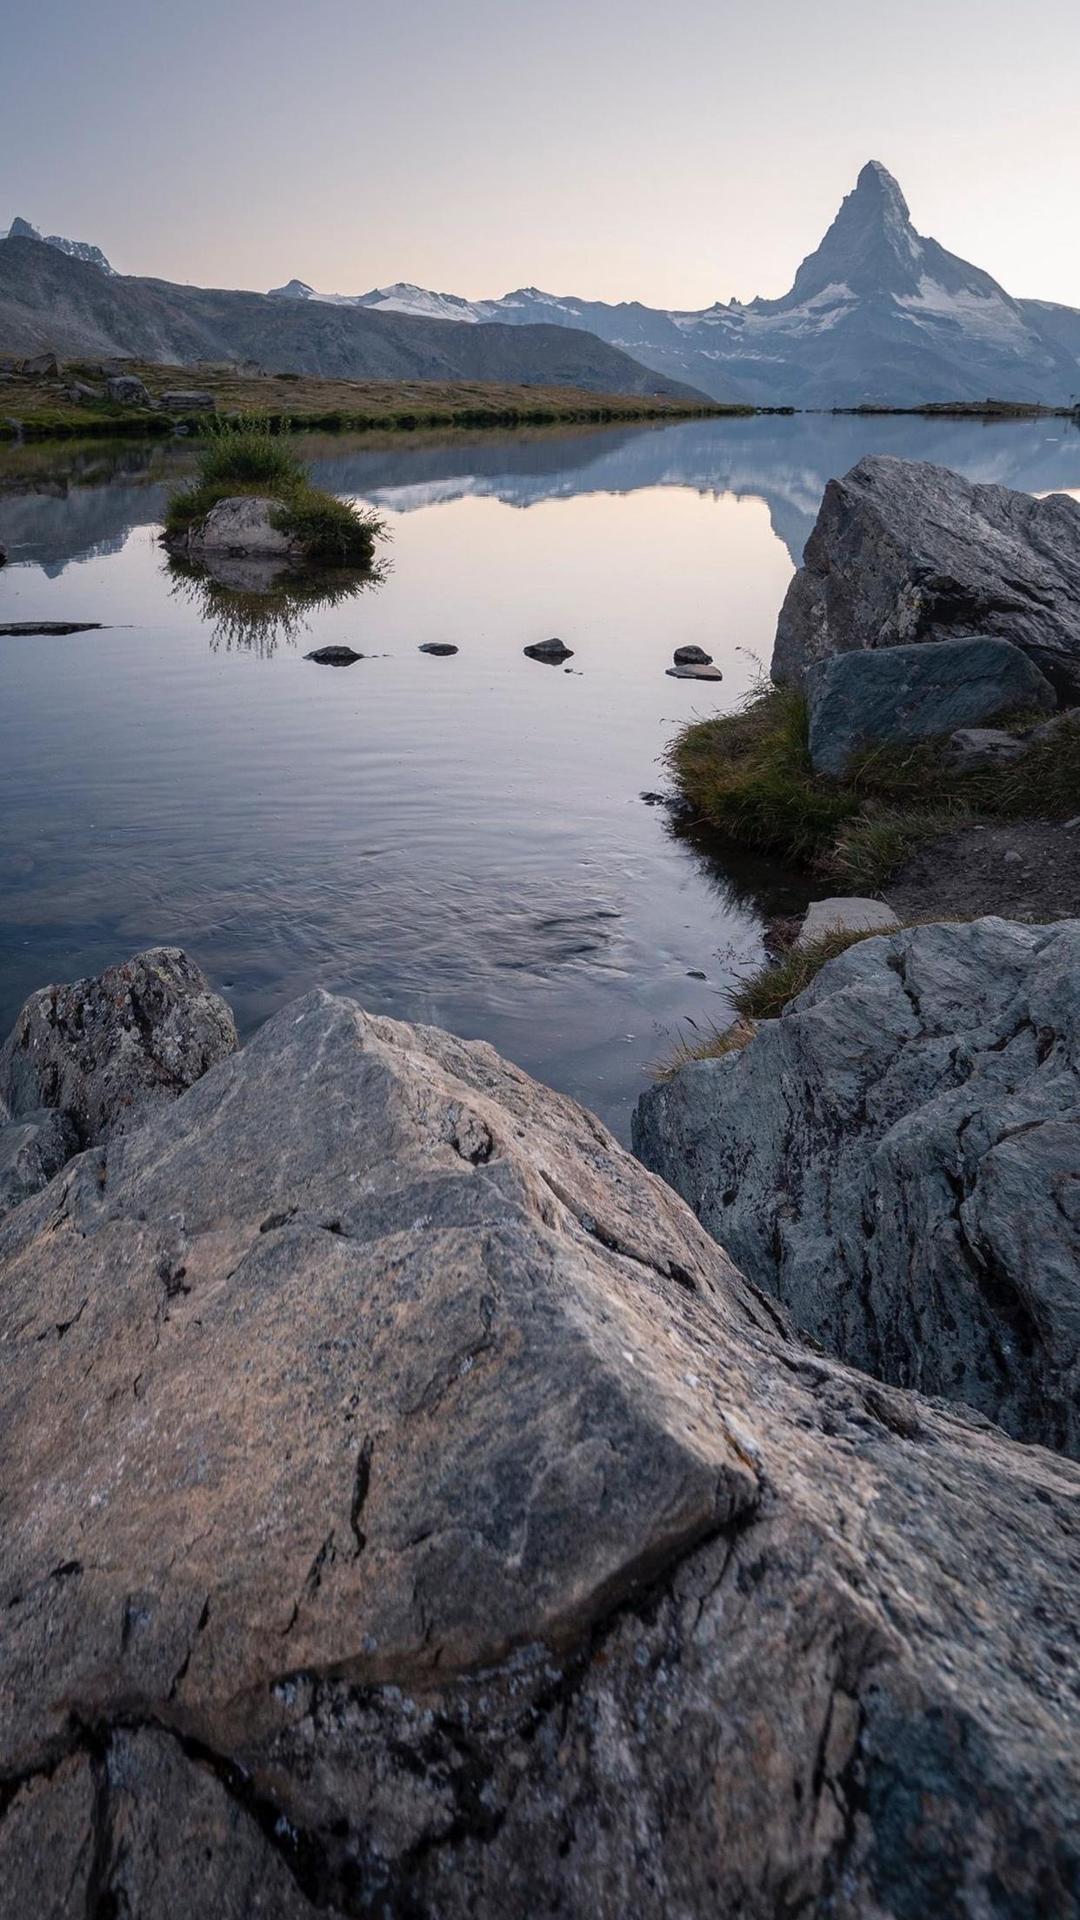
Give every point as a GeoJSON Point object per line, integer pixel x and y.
{"type": "Point", "coordinates": [877, 314]}
{"type": "Point", "coordinates": [50, 300]}
{"type": "Point", "coordinates": [21, 229]}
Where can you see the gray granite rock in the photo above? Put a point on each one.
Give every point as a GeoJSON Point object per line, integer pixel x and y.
{"type": "Point", "coordinates": [900, 695]}
{"type": "Point", "coordinates": [904, 552]}
{"type": "Point", "coordinates": [31, 1151]}
{"type": "Point", "coordinates": [409, 1510]}
{"type": "Point", "coordinates": [128, 389]}
{"type": "Point", "coordinates": [104, 1052]}
{"type": "Point", "coordinates": [242, 524]}
{"type": "Point", "coordinates": [845, 913]}
{"type": "Point", "coordinates": [897, 1159]}
{"type": "Point", "coordinates": [971, 747]}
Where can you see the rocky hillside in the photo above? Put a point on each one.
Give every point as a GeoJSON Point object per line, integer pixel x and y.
{"type": "Point", "coordinates": [21, 229]}
{"type": "Point", "coordinates": [49, 301]}
{"type": "Point", "coordinates": [410, 1509]}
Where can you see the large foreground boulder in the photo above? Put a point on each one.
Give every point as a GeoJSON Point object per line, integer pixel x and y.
{"type": "Point", "coordinates": [897, 1159]}
{"type": "Point", "coordinates": [899, 695]}
{"type": "Point", "coordinates": [103, 1052]}
{"type": "Point", "coordinates": [905, 552]}
{"type": "Point", "coordinates": [409, 1510]}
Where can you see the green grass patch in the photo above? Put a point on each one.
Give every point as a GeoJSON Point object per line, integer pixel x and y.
{"type": "Point", "coordinates": [749, 773]}
{"type": "Point", "coordinates": [251, 457]}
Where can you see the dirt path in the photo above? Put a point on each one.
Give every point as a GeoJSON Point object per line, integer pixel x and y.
{"type": "Point", "coordinates": [1024, 870]}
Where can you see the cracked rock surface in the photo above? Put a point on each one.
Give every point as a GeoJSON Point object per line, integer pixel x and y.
{"type": "Point", "coordinates": [897, 1159]}
{"type": "Point", "coordinates": [103, 1052]}
{"type": "Point", "coordinates": [409, 1510]}
{"type": "Point", "coordinates": [904, 551]}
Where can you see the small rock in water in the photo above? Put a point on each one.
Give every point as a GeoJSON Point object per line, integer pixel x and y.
{"type": "Point", "coordinates": [695, 973]}
{"type": "Point", "coordinates": [553, 651]}
{"type": "Point", "coordinates": [51, 626]}
{"type": "Point", "coordinates": [441, 647]}
{"type": "Point", "coordinates": [656, 799]}
{"type": "Point", "coordinates": [334, 656]}
{"type": "Point", "coordinates": [692, 657]}
{"type": "Point", "coordinates": [695, 673]}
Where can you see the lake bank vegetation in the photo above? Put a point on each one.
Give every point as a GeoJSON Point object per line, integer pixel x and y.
{"type": "Point", "coordinates": [74, 401]}
{"type": "Point", "coordinates": [749, 774]}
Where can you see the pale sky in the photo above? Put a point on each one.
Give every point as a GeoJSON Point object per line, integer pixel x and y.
{"type": "Point", "coordinates": [675, 154]}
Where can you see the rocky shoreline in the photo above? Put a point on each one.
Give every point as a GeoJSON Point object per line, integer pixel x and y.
{"type": "Point", "coordinates": [414, 1505]}
{"type": "Point", "coordinates": [410, 1508]}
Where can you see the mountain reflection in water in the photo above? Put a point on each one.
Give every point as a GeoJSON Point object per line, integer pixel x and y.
{"type": "Point", "coordinates": [460, 840]}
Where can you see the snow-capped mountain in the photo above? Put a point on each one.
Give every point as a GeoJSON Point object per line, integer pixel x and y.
{"type": "Point", "coordinates": [877, 314]}
{"type": "Point", "coordinates": [75, 249]}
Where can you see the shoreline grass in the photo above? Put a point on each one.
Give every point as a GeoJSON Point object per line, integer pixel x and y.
{"type": "Point", "coordinates": [749, 774]}
{"type": "Point", "coordinates": [765, 992]}
{"type": "Point", "coordinates": [37, 407]}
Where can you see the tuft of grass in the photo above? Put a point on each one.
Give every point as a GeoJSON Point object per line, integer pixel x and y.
{"type": "Point", "coordinates": [763, 995]}
{"type": "Point", "coordinates": [248, 453]}
{"type": "Point", "coordinates": [250, 457]}
{"type": "Point", "coordinates": [876, 842]}
{"type": "Point", "coordinates": [329, 529]}
{"type": "Point", "coordinates": [749, 773]}
{"type": "Point", "coordinates": [705, 1043]}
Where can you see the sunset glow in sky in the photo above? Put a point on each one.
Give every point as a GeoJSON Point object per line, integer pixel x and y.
{"type": "Point", "coordinates": [675, 154]}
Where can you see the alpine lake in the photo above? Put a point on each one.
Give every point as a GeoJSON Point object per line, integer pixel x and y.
{"type": "Point", "coordinates": [461, 840]}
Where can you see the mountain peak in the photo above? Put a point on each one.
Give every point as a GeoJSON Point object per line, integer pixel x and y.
{"type": "Point", "coordinates": [92, 256]}
{"type": "Point", "coordinates": [871, 247]}
{"type": "Point", "coordinates": [876, 184]}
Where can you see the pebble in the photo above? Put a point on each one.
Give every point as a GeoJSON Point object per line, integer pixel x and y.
{"type": "Point", "coordinates": [554, 650]}
{"type": "Point", "coordinates": [334, 656]}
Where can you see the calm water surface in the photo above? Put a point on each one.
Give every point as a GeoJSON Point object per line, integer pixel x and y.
{"type": "Point", "coordinates": [453, 840]}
